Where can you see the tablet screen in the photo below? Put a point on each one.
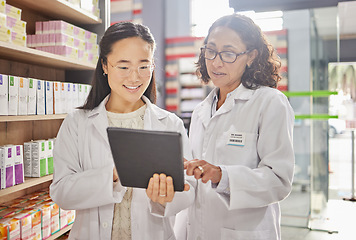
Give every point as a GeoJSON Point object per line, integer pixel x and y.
{"type": "Point", "coordinates": [138, 154]}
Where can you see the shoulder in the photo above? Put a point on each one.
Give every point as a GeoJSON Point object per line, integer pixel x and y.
{"type": "Point", "coordinates": [270, 94]}
{"type": "Point", "coordinates": [162, 113]}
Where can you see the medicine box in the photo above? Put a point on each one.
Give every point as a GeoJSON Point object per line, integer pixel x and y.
{"type": "Point", "coordinates": [18, 164]}
{"type": "Point", "coordinates": [7, 166]}
{"type": "Point", "coordinates": [13, 95]}
{"type": "Point", "coordinates": [32, 93]}
{"type": "Point", "coordinates": [39, 158]}
{"type": "Point", "coordinates": [23, 96]}
{"type": "Point", "coordinates": [27, 160]}
{"type": "Point", "coordinates": [4, 95]}
{"type": "Point", "coordinates": [40, 98]}
{"type": "Point", "coordinates": [49, 97]}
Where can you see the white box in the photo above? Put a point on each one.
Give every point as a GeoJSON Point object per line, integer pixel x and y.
{"type": "Point", "coordinates": [49, 153]}
{"type": "Point", "coordinates": [23, 96]}
{"type": "Point", "coordinates": [13, 95]}
{"type": "Point", "coordinates": [63, 98]}
{"type": "Point", "coordinates": [40, 96]}
{"type": "Point", "coordinates": [7, 166]}
{"type": "Point", "coordinates": [68, 99]}
{"type": "Point", "coordinates": [27, 160]}
{"type": "Point", "coordinates": [49, 97]}
{"type": "Point", "coordinates": [18, 164]}
{"type": "Point", "coordinates": [32, 93]}
{"type": "Point", "coordinates": [4, 91]}
{"type": "Point", "coordinates": [75, 96]}
{"type": "Point", "coordinates": [57, 106]}
{"type": "Point", "coordinates": [39, 158]}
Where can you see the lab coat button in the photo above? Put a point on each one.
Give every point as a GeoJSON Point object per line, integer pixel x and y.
{"type": "Point", "coordinates": [198, 205]}
{"type": "Point", "coordinates": [105, 224]}
{"type": "Point", "coordinates": [198, 238]}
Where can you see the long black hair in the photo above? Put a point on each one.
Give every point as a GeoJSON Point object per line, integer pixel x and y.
{"type": "Point", "coordinates": [264, 71]}
{"type": "Point", "coordinates": [116, 32]}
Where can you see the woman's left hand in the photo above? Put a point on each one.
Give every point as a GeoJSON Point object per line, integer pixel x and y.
{"type": "Point", "coordinates": [160, 188]}
{"type": "Point", "coordinates": [203, 170]}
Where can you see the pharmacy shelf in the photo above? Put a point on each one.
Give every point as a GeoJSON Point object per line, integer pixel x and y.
{"type": "Point", "coordinates": [60, 232]}
{"type": "Point", "coordinates": [31, 117]}
{"type": "Point", "coordinates": [60, 9]}
{"type": "Point", "coordinates": [29, 182]}
{"type": "Point", "coordinates": [33, 56]}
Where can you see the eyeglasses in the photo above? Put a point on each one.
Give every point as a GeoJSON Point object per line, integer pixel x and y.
{"type": "Point", "coordinates": [125, 71]}
{"type": "Point", "coordinates": [225, 56]}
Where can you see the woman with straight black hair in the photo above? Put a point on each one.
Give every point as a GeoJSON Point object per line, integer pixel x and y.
{"type": "Point", "coordinates": [85, 179]}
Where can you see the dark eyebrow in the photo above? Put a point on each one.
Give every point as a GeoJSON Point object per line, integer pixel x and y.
{"type": "Point", "coordinates": [127, 61]}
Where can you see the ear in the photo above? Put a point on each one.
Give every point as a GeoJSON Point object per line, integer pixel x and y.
{"type": "Point", "coordinates": [104, 66]}
{"type": "Point", "coordinates": [251, 56]}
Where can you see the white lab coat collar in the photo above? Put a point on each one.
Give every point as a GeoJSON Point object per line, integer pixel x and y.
{"type": "Point", "coordinates": [152, 117]}
{"type": "Point", "coordinates": [240, 93]}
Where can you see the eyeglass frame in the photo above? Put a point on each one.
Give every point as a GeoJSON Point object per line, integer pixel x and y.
{"type": "Point", "coordinates": [152, 67]}
{"type": "Point", "coordinates": [219, 53]}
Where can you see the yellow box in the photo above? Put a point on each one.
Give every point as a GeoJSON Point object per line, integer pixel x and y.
{"type": "Point", "coordinates": [5, 34]}
{"type": "Point", "coordinates": [2, 6]}
{"type": "Point", "coordinates": [19, 39]}
{"type": "Point", "coordinates": [13, 11]}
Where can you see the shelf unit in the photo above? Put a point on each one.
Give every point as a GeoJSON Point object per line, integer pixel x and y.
{"type": "Point", "coordinates": [27, 62]}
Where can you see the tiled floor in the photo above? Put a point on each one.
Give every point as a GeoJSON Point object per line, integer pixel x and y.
{"type": "Point", "coordinates": [338, 223]}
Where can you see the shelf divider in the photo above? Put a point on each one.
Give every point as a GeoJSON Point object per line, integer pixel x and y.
{"type": "Point", "coordinates": [34, 56]}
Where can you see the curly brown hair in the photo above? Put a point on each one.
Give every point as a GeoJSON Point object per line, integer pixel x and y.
{"type": "Point", "coordinates": [264, 71]}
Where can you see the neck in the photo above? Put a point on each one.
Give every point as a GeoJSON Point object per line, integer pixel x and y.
{"type": "Point", "coordinates": [120, 107]}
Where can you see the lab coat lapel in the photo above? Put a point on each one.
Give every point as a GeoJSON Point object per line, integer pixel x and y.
{"type": "Point", "coordinates": [100, 120]}
{"type": "Point", "coordinates": [153, 116]}
{"type": "Point", "coordinates": [241, 94]}
{"type": "Point", "coordinates": [204, 110]}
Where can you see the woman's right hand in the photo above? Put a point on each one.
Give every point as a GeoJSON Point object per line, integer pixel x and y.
{"type": "Point", "coordinates": [115, 175]}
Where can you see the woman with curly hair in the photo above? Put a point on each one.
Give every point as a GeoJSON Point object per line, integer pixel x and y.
{"type": "Point", "coordinates": [241, 136]}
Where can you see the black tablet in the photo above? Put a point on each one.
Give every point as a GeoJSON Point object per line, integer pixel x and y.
{"type": "Point", "coordinates": [138, 154]}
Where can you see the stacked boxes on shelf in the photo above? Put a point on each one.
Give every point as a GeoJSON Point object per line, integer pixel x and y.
{"type": "Point", "coordinates": [33, 159]}
{"type": "Point", "coordinates": [29, 96]}
{"type": "Point", "coordinates": [12, 28]}
{"type": "Point", "coordinates": [65, 39]}
{"type": "Point", "coordinates": [11, 165]}
{"type": "Point", "coordinates": [33, 216]}
{"type": "Point", "coordinates": [183, 88]}
{"type": "Point", "coordinates": [279, 40]}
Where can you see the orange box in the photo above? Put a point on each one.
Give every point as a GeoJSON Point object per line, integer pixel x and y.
{"type": "Point", "coordinates": [70, 216]}
{"type": "Point", "coordinates": [3, 231]}
{"type": "Point", "coordinates": [30, 203]}
{"type": "Point", "coordinates": [25, 224]}
{"type": "Point", "coordinates": [13, 203]}
{"type": "Point", "coordinates": [46, 220]}
{"type": "Point", "coordinates": [54, 216]}
{"type": "Point", "coordinates": [12, 227]}
{"type": "Point", "coordinates": [63, 218]}
{"type": "Point", "coordinates": [30, 224]}
{"type": "Point", "coordinates": [9, 212]}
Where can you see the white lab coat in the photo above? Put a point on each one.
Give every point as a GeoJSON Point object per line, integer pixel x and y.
{"type": "Point", "coordinates": [259, 173]}
{"type": "Point", "coordinates": [83, 177]}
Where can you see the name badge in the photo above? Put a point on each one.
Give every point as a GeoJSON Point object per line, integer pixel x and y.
{"type": "Point", "coordinates": [236, 139]}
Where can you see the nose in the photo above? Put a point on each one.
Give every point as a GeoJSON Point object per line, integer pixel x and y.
{"type": "Point", "coordinates": [217, 61]}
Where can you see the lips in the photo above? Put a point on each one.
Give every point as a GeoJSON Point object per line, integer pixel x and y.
{"type": "Point", "coordinates": [219, 73]}
{"type": "Point", "coordinates": [132, 87]}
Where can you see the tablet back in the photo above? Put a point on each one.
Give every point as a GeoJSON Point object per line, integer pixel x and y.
{"type": "Point", "coordinates": [138, 154]}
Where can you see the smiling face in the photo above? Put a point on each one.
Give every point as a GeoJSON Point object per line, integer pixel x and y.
{"type": "Point", "coordinates": [126, 91]}
{"type": "Point", "coordinates": [227, 76]}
